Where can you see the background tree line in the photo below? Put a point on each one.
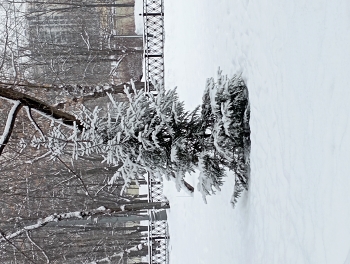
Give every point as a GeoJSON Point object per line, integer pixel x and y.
{"type": "Point", "coordinates": [54, 57]}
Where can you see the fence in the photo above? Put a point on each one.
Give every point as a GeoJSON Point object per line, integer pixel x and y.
{"type": "Point", "coordinates": [157, 229]}
{"type": "Point", "coordinates": [153, 19]}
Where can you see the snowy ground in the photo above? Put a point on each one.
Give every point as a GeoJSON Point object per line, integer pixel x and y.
{"type": "Point", "coordinates": [295, 58]}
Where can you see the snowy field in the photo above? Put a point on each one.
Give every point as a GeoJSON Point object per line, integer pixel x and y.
{"type": "Point", "coordinates": [295, 59]}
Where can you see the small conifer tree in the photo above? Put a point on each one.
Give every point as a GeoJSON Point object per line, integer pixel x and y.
{"type": "Point", "coordinates": [153, 133]}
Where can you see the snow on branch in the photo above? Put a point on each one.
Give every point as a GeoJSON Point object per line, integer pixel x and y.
{"type": "Point", "coordinates": [102, 210]}
{"type": "Point", "coordinates": [11, 118]}
{"type": "Point", "coordinates": [39, 106]}
{"type": "Point", "coordinates": [41, 222]}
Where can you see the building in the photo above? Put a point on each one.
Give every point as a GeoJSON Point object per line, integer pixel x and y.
{"type": "Point", "coordinates": [85, 42]}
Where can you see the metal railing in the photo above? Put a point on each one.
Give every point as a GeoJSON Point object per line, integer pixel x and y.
{"type": "Point", "coordinates": [153, 19]}
{"type": "Point", "coordinates": [158, 229]}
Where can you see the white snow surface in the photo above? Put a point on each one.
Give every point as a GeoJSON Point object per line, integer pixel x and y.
{"type": "Point", "coordinates": [295, 59]}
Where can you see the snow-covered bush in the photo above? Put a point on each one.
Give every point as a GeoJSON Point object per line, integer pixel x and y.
{"type": "Point", "coordinates": [154, 133]}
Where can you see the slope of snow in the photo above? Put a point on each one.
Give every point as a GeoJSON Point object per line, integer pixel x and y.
{"type": "Point", "coordinates": [295, 59]}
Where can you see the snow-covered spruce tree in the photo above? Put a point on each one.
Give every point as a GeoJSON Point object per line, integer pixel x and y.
{"type": "Point", "coordinates": [154, 133]}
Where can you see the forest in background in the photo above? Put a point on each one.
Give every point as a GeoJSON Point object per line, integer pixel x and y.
{"type": "Point", "coordinates": [55, 57]}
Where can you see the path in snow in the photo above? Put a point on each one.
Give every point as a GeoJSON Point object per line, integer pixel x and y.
{"type": "Point", "coordinates": [295, 58]}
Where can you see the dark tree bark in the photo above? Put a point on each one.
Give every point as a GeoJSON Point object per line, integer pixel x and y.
{"type": "Point", "coordinates": [40, 106]}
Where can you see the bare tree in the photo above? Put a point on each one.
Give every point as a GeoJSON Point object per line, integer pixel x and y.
{"type": "Point", "coordinates": [65, 43]}
{"type": "Point", "coordinates": [43, 69]}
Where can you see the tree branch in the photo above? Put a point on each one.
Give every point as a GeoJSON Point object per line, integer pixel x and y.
{"type": "Point", "coordinates": [40, 106]}
{"type": "Point", "coordinates": [4, 238]}
{"type": "Point", "coordinates": [4, 139]}
{"type": "Point", "coordinates": [35, 244]}
{"type": "Point", "coordinates": [83, 214]}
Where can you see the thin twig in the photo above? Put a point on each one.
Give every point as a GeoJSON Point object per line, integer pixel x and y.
{"type": "Point", "coordinates": [30, 239]}
{"type": "Point", "coordinates": [15, 247]}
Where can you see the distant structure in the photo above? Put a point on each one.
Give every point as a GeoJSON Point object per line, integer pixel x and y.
{"type": "Point", "coordinates": [84, 42]}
